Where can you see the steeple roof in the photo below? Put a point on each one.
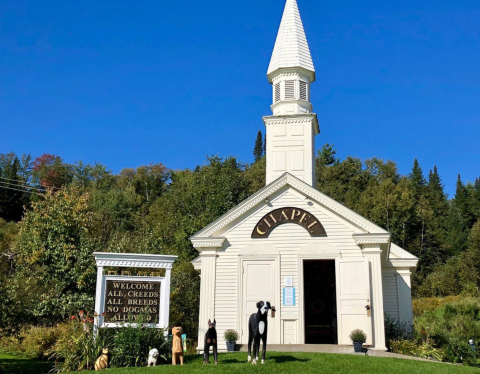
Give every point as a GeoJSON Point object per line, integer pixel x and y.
{"type": "Point", "coordinates": [291, 47]}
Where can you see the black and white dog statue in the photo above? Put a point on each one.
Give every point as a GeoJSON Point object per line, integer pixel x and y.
{"type": "Point", "coordinates": [210, 341]}
{"type": "Point", "coordinates": [257, 329]}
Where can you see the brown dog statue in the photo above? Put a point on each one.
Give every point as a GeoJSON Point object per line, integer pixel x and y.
{"type": "Point", "coordinates": [177, 346]}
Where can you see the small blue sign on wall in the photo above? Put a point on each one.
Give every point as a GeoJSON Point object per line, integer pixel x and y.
{"type": "Point", "coordinates": [289, 296]}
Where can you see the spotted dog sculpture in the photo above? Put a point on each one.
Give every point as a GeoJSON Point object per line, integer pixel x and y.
{"type": "Point", "coordinates": [177, 346]}
{"type": "Point", "coordinates": [210, 341]}
{"type": "Point", "coordinates": [257, 329]}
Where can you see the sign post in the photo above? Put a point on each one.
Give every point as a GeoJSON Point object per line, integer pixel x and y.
{"type": "Point", "coordinates": [120, 297]}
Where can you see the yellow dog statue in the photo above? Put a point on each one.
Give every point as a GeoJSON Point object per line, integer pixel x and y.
{"type": "Point", "coordinates": [177, 346]}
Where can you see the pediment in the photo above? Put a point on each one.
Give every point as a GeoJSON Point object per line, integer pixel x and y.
{"type": "Point", "coordinates": [259, 205]}
{"type": "Point", "coordinates": [258, 200]}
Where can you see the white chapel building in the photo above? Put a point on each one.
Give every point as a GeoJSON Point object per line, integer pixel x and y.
{"type": "Point", "coordinates": [326, 269]}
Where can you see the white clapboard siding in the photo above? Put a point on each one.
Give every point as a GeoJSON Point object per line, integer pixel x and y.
{"type": "Point", "coordinates": [287, 239]}
{"type": "Point", "coordinates": [390, 294]}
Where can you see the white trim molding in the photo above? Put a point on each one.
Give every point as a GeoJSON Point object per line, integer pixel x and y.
{"type": "Point", "coordinates": [205, 242]}
{"type": "Point", "coordinates": [402, 262]}
{"type": "Point", "coordinates": [197, 263]}
{"type": "Point", "coordinates": [134, 260]}
{"type": "Point", "coordinates": [371, 238]}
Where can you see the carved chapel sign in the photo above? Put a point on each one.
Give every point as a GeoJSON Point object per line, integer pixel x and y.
{"type": "Point", "coordinates": [288, 215]}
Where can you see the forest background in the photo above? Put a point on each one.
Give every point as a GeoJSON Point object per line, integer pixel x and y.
{"type": "Point", "coordinates": [54, 215]}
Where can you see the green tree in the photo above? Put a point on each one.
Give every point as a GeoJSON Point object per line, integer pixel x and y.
{"type": "Point", "coordinates": [51, 172]}
{"type": "Point", "coordinates": [417, 178]}
{"type": "Point", "coordinates": [258, 150]}
{"type": "Point", "coordinates": [255, 175]}
{"type": "Point", "coordinates": [12, 195]}
{"type": "Point", "coordinates": [95, 175]}
{"type": "Point", "coordinates": [193, 200]}
{"type": "Point", "coordinates": [11, 315]}
{"type": "Point", "coordinates": [148, 181]}
{"type": "Point", "coordinates": [326, 155]}
{"type": "Point", "coordinates": [54, 257]}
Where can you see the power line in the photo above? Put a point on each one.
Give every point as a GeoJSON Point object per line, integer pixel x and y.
{"type": "Point", "coordinates": [15, 189]}
{"type": "Point", "coordinates": [27, 184]}
{"type": "Point", "coordinates": [22, 186]}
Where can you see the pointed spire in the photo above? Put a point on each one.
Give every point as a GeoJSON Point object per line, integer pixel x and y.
{"type": "Point", "coordinates": [291, 47]}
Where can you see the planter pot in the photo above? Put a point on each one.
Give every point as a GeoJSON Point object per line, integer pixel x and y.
{"type": "Point", "coordinates": [230, 346]}
{"type": "Point", "coordinates": [357, 347]}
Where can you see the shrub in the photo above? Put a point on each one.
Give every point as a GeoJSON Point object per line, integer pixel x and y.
{"type": "Point", "coordinates": [412, 348]}
{"type": "Point", "coordinates": [230, 336]}
{"type": "Point", "coordinates": [32, 342]}
{"type": "Point", "coordinates": [77, 348]}
{"type": "Point", "coordinates": [450, 326]}
{"type": "Point", "coordinates": [395, 330]}
{"type": "Point", "coordinates": [132, 342]}
{"type": "Point", "coordinates": [459, 351]}
{"type": "Point", "coordinates": [421, 305]}
{"type": "Point", "coordinates": [358, 336]}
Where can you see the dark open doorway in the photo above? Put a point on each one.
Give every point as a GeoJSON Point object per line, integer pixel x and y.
{"type": "Point", "coordinates": [320, 302]}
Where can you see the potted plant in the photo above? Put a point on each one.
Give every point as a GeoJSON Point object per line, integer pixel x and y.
{"type": "Point", "coordinates": [358, 338]}
{"type": "Point", "coordinates": [231, 336]}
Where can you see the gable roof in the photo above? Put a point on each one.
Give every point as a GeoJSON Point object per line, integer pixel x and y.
{"type": "Point", "coordinates": [291, 47]}
{"type": "Point", "coordinates": [314, 195]}
{"type": "Point", "coordinates": [299, 185]}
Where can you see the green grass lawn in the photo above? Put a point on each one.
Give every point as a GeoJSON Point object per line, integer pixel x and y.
{"type": "Point", "coordinates": [19, 365]}
{"type": "Point", "coordinates": [297, 363]}
{"type": "Point", "coordinates": [302, 363]}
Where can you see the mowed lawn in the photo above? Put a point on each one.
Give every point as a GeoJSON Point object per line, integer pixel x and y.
{"type": "Point", "coordinates": [302, 363]}
{"type": "Point", "coordinates": [19, 365]}
{"type": "Point", "coordinates": [297, 363]}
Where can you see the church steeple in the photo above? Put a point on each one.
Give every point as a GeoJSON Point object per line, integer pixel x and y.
{"type": "Point", "coordinates": [292, 129]}
{"type": "Point", "coordinates": [291, 47]}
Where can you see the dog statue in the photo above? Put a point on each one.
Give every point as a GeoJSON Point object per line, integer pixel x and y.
{"type": "Point", "coordinates": [153, 357]}
{"type": "Point", "coordinates": [210, 341]}
{"type": "Point", "coordinates": [257, 329]}
{"type": "Point", "coordinates": [177, 346]}
{"type": "Point", "coordinates": [102, 361]}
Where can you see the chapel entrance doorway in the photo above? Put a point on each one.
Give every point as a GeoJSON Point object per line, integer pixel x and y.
{"type": "Point", "coordinates": [320, 302]}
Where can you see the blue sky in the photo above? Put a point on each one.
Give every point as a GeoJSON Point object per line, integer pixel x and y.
{"type": "Point", "coordinates": [130, 83]}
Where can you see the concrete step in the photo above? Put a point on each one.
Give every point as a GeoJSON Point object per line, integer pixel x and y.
{"type": "Point", "coordinates": [323, 348]}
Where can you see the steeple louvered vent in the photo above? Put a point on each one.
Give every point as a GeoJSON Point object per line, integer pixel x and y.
{"type": "Point", "coordinates": [289, 90]}
{"type": "Point", "coordinates": [277, 92]}
{"type": "Point", "coordinates": [303, 91]}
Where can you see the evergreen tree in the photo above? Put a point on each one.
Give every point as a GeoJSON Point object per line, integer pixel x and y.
{"type": "Point", "coordinates": [434, 213]}
{"type": "Point", "coordinates": [326, 156]}
{"type": "Point", "coordinates": [11, 194]}
{"type": "Point", "coordinates": [258, 150]}
{"type": "Point", "coordinates": [464, 200]}
{"type": "Point", "coordinates": [436, 194]}
{"type": "Point", "coordinates": [459, 220]}
{"type": "Point", "coordinates": [417, 178]}
{"type": "Point", "coordinates": [475, 199]}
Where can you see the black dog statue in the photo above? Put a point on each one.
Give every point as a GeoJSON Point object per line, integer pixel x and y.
{"type": "Point", "coordinates": [210, 341]}
{"type": "Point", "coordinates": [257, 329]}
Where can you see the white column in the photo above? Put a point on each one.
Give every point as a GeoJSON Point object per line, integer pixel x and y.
{"type": "Point", "coordinates": [404, 290]}
{"type": "Point", "coordinates": [166, 300]}
{"type": "Point", "coordinates": [207, 293]}
{"type": "Point", "coordinates": [373, 253]}
{"type": "Point", "coordinates": [98, 321]}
